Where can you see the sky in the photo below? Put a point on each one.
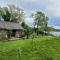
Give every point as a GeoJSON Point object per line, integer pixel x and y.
{"type": "Point", "coordinates": [50, 7]}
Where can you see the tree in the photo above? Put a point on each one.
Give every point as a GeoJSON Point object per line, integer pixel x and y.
{"type": "Point", "coordinates": [16, 13]}
{"type": "Point", "coordinates": [40, 21]}
{"type": "Point", "coordinates": [28, 30]}
{"type": "Point", "coordinates": [6, 16]}
{"type": "Point", "coordinates": [12, 13]}
{"type": "Point", "coordinates": [46, 23]}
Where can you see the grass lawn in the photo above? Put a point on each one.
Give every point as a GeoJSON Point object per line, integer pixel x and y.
{"type": "Point", "coordinates": [41, 48]}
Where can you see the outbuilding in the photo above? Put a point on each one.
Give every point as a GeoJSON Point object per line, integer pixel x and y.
{"type": "Point", "coordinates": [10, 29]}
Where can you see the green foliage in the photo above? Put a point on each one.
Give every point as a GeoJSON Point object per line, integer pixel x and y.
{"type": "Point", "coordinates": [6, 16]}
{"type": "Point", "coordinates": [16, 13]}
{"type": "Point", "coordinates": [9, 34]}
{"type": "Point", "coordinates": [49, 29]}
{"type": "Point", "coordinates": [28, 30]}
{"type": "Point", "coordinates": [12, 13]}
{"type": "Point", "coordinates": [41, 20]}
{"type": "Point", "coordinates": [45, 23]}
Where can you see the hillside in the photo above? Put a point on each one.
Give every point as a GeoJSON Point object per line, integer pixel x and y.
{"type": "Point", "coordinates": [42, 48]}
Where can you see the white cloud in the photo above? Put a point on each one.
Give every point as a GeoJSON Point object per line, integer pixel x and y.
{"type": "Point", "coordinates": [53, 8]}
{"type": "Point", "coordinates": [29, 21]}
{"type": "Point", "coordinates": [33, 0]}
{"type": "Point", "coordinates": [50, 7]}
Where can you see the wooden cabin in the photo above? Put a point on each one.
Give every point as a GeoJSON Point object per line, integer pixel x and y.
{"type": "Point", "coordinates": [10, 29]}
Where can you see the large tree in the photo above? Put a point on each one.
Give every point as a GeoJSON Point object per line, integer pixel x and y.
{"type": "Point", "coordinates": [5, 14]}
{"type": "Point", "coordinates": [16, 13]}
{"type": "Point", "coordinates": [40, 21]}
{"type": "Point", "coordinates": [11, 13]}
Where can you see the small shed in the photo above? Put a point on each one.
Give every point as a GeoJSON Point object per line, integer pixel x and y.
{"type": "Point", "coordinates": [10, 29]}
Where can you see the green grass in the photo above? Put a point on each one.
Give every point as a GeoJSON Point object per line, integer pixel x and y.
{"type": "Point", "coordinates": [40, 48]}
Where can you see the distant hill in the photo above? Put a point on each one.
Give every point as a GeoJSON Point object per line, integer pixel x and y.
{"type": "Point", "coordinates": [53, 29]}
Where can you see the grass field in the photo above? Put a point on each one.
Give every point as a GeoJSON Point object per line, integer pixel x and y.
{"type": "Point", "coordinates": [41, 48]}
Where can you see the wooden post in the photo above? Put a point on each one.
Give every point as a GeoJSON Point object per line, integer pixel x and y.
{"type": "Point", "coordinates": [10, 33]}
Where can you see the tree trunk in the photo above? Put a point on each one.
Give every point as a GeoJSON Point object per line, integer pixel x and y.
{"type": "Point", "coordinates": [37, 32]}
{"type": "Point", "coordinates": [27, 36]}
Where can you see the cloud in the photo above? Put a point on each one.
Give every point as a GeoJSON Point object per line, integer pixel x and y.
{"type": "Point", "coordinates": [29, 21]}
{"type": "Point", "coordinates": [50, 7]}
{"type": "Point", "coordinates": [53, 9]}
{"type": "Point", "coordinates": [13, 2]}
